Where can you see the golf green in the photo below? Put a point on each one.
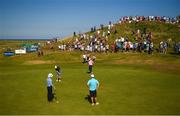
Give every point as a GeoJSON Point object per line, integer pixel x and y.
{"type": "Point", "coordinates": [124, 88]}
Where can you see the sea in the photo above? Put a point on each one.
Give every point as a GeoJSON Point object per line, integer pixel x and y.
{"type": "Point", "coordinates": [42, 38]}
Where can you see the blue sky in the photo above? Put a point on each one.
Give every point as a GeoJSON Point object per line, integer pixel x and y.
{"type": "Point", "coordinates": [52, 18]}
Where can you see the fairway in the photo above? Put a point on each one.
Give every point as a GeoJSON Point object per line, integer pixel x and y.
{"type": "Point", "coordinates": [125, 88]}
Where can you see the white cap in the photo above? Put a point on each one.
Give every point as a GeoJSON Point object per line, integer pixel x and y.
{"type": "Point", "coordinates": [50, 75]}
{"type": "Point", "coordinates": [55, 66]}
{"type": "Point", "coordinates": [92, 75]}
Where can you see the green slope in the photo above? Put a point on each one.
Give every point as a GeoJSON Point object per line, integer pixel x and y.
{"type": "Point", "coordinates": [160, 30]}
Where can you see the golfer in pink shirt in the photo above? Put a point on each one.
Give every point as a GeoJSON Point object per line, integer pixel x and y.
{"type": "Point", "coordinates": [90, 63]}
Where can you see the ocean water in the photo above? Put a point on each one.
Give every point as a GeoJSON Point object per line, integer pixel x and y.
{"type": "Point", "coordinates": [30, 37]}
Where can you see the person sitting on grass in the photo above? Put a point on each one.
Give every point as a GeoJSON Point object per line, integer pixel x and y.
{"type": "Point", "coordinates": [93, 85]}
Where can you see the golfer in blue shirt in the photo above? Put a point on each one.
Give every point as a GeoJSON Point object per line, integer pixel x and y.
{"type": "Point", "coordinates": [50, 94]}
{"type": "Point", "coordinates": [93, 85]}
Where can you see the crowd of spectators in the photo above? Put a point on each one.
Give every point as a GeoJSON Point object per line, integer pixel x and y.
{"type": "Point", "coordinates": [98, 39]}
{"type": "Point", "coordinates": [173, 20]}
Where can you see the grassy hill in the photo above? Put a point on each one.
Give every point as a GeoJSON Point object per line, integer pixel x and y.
{"type": "Point", "coordinates": [160, 31]}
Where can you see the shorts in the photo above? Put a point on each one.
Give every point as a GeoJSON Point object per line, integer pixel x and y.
{"type": "Point", "coordinates": [93, 93]}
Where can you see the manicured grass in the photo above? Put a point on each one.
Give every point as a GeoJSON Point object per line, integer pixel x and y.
{"type": "Point", "coordinates": [124, 88]}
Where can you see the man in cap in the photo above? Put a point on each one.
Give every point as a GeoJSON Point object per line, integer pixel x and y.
{"type": "Point", "coordinates": [50, 94]}
{"type": "Point", "coordinates": [93, 85]}
{"type": "Point", "coordinates": [58, 73]}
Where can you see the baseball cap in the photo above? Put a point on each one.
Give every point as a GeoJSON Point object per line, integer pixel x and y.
{"type": "Point", "coordinates": [50, 75]}
{"type": "Point", "coordinates": [55, 66]}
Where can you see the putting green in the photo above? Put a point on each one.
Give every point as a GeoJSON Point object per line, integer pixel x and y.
{"type": "Point", "coordinates": [137, 87]}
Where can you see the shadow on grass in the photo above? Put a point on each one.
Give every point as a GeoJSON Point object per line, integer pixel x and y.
{"type": "Point", "coordinates": [88, 98]}
{"type": "Point", "coordinates": [174, 53]}
{"type": "Point", "coordinates": [88, 72]}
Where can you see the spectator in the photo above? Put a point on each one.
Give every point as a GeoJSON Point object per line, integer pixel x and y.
{"type": "Point", "coordinates": [84, 58]}
{"type": "Point", "coordinates": [74, 34]}
{"type": "Point", "coordinates": [165, 47]}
